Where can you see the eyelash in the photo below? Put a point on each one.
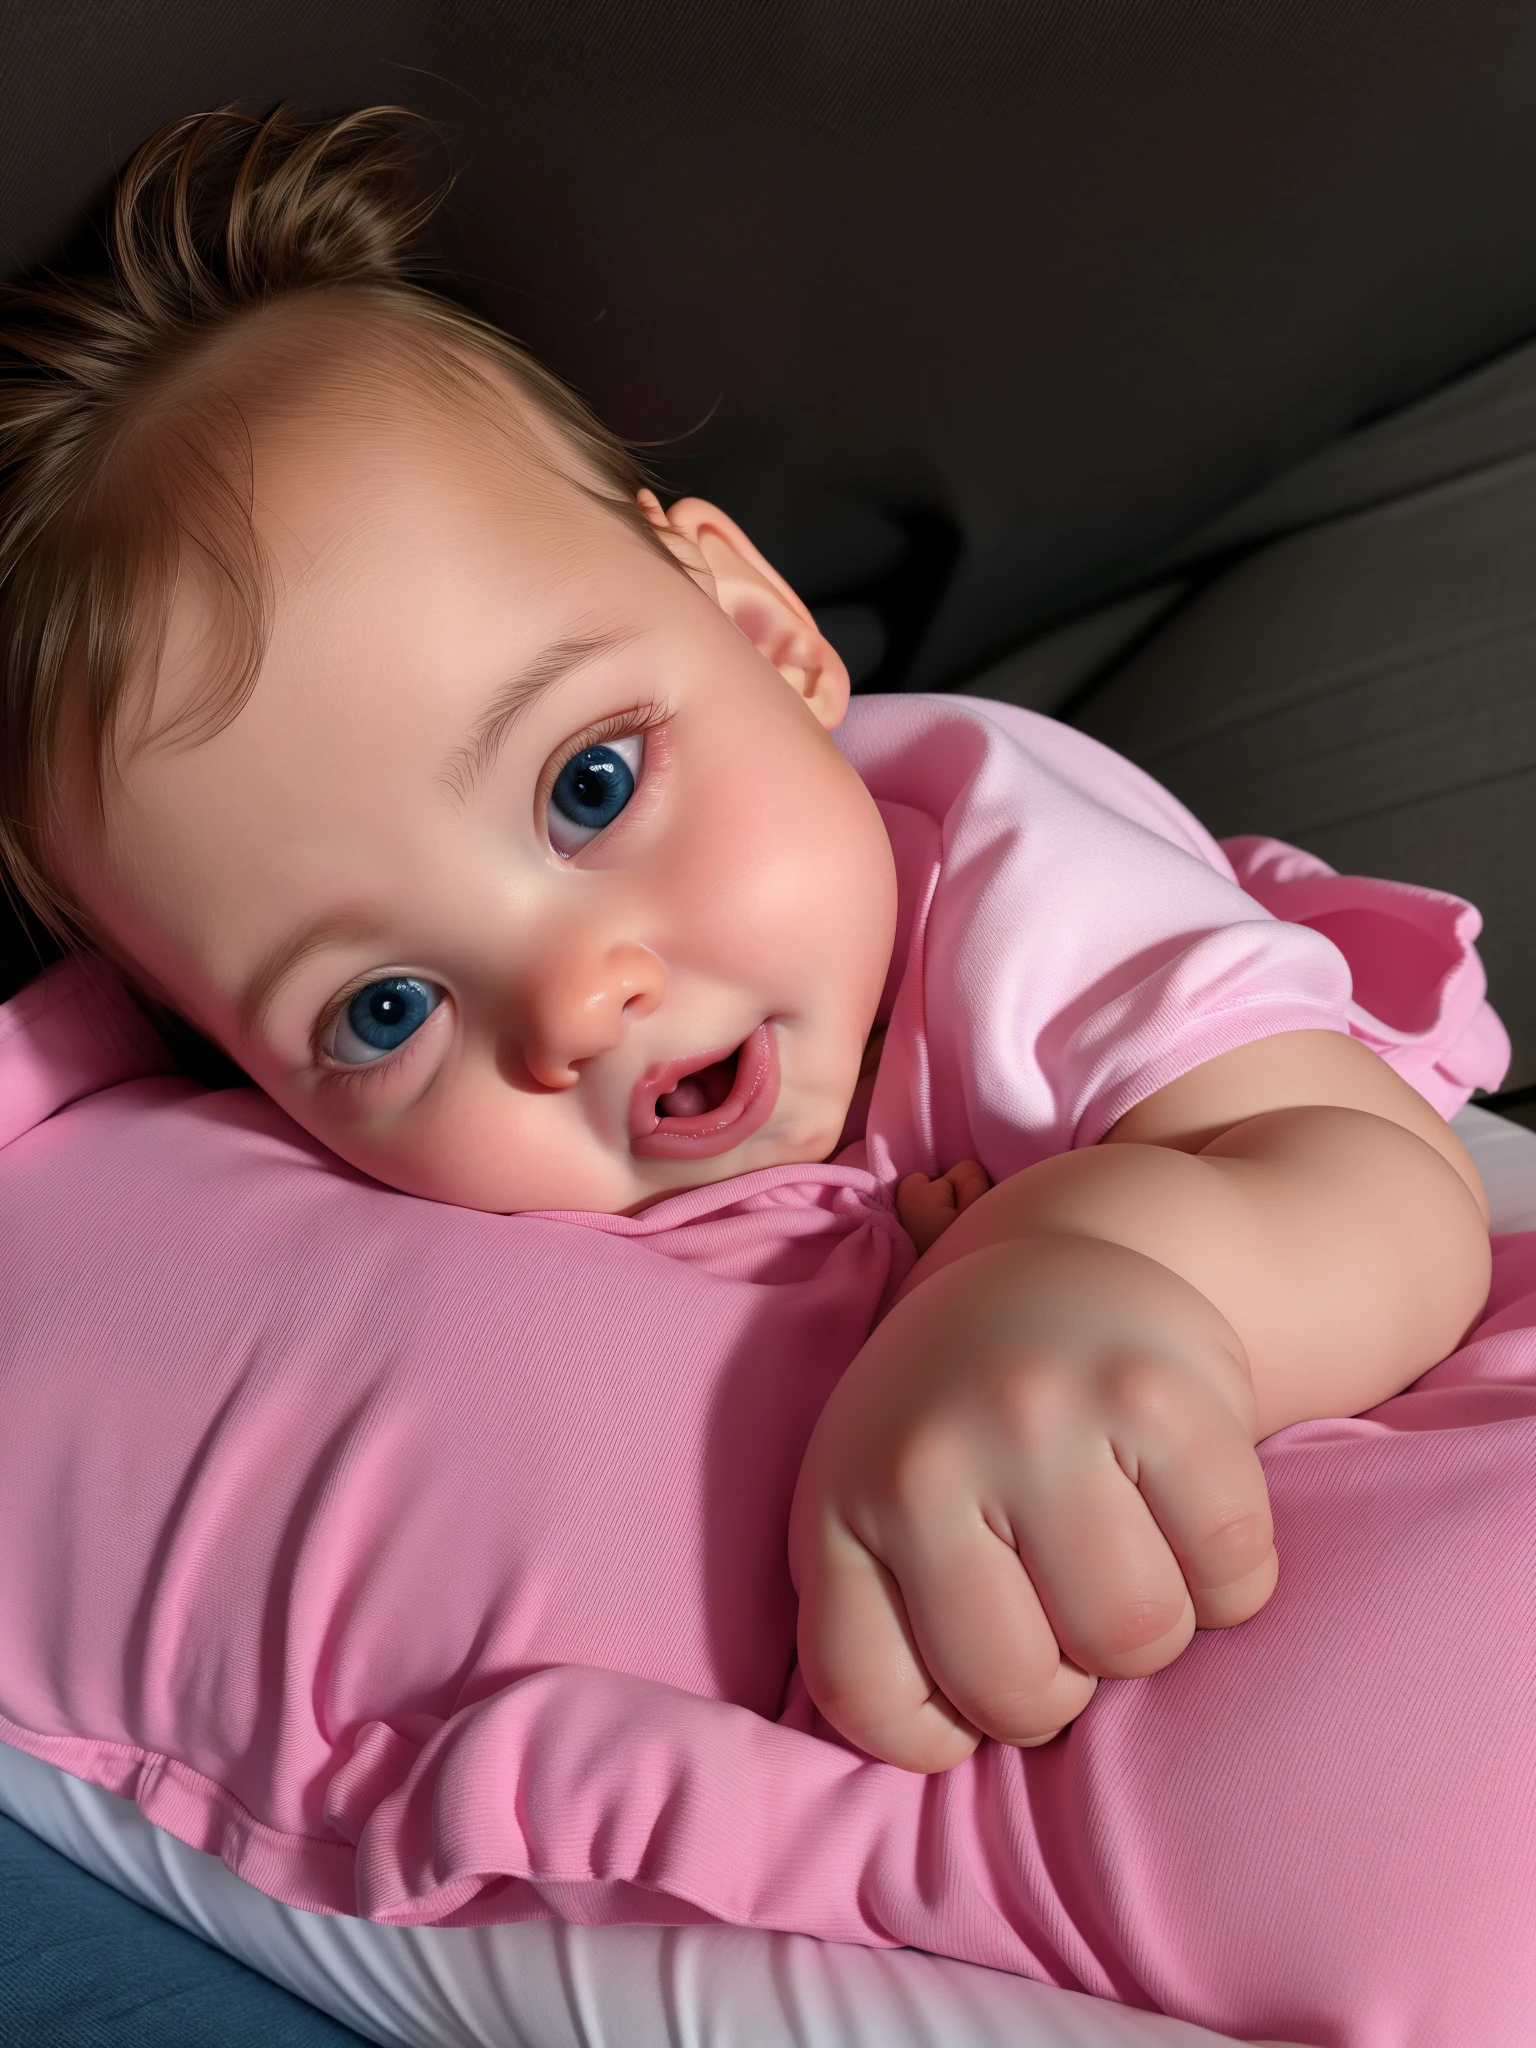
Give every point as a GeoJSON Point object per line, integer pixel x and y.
{"type": "Point", "coordinates": [619, 725]}
{"type": "Point", "coordinates": [343, 1076]}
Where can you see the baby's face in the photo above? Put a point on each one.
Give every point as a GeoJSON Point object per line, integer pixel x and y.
{"type": "Point", "coordinates": [528, 877]}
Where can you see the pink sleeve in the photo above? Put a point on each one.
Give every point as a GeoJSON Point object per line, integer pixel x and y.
{"type": "Point", "coordinates": [1075, 941]}
{"type": "Point", "coordinates": [1419, 990]}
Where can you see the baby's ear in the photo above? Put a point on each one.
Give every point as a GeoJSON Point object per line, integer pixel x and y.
{"type": "Point", "coordinates": [751, 592]}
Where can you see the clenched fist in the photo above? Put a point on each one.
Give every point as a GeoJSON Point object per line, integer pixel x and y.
{"type": "Point", "coordinates": [1038, 1471]}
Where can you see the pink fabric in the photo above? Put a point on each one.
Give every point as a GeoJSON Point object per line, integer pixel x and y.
{"type": "Point", "coordinates": [430, 1565]}
{"type": "Point", "coordinates": [1070, 940]}
{"type": "Point", "coordinates": [57, 1043]}
{"type": "Point", "coordinates": [1419, 987]}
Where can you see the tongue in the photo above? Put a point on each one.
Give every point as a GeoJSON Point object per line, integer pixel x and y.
{"type": "Point", "coordinates": [699, 1092]}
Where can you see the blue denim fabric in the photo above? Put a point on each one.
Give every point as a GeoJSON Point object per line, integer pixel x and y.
{"type": "Point", "coordinates": [83, 1967]}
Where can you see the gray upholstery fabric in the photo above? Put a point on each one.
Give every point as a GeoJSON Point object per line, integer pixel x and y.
{"type": "Point", "coordinates": [961, 308]}
{"type": "Point", "coordinates": [1366, 686]}
{"type": "Point", "coordinates": [981, 318]}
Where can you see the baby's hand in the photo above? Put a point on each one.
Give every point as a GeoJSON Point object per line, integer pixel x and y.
{"type": "Point", "coordinates": [1038, 1470]}
{"type": "Point", "coordinates": [928, 1207]}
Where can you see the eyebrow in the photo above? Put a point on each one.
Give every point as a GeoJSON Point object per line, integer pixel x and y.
{"type": "Point", "coordinates": [334, 928]}
{"type": "Point", "coordinates": [470, 761]}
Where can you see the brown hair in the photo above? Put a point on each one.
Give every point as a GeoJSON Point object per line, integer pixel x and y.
{"type": "Point", "coordinates": [111, 479]}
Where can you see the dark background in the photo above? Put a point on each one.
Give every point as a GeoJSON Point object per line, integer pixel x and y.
{"type": "Point", "coordinates": [970, 312]}
{"type": "Point", "coordinates": [1059, 277]}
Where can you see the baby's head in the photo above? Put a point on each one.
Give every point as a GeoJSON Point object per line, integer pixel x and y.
{"type": "Point", "coordinates": [362, 706]}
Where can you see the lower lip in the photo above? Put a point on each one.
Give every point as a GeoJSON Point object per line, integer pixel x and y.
{"type": "Point", "coordinates": [745, 1110]}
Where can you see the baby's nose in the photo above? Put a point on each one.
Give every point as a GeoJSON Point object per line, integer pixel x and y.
{"type": "Point", "coordinates": [577, 1001]}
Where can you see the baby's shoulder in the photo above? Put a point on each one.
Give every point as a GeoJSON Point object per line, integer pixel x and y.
{"type": "Point", "coordinates": [952, 756]}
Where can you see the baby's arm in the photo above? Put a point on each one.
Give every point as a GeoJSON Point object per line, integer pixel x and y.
{"type": "Point", "coordinates": [1041, 1465]}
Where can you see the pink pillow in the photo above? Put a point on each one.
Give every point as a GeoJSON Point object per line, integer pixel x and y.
{"type": "Point", "coordinates": [288, 1454]}
{"type": "Point", "coordinates": [429, 1565]}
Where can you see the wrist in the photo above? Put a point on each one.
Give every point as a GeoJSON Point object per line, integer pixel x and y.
{"type": "Point", "coordinates": [1095, 1297]}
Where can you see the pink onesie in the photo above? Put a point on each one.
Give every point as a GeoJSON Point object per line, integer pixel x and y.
{"type": "Point", "coordinates": [429, 1565]}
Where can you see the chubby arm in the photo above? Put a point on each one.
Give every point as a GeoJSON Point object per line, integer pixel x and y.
{"type": "Point", "coordinates": [1040, 1468]}
{"type": "Point", "coordinates": [1312, 1196]}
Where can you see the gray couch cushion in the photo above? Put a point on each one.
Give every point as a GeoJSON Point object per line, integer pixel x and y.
{"type": "Point", "coordinates": [1367, 687]}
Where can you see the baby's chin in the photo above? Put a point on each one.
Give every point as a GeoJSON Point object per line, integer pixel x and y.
{"type": "Point", "coordinates": [726, 1170]}
{"type": "Point", "coordinates": [812, 1146]}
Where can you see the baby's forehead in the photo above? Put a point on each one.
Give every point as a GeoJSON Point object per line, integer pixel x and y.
{"type": "Point", "coordinates": [341, 380]}
{"type": "Point", "coordinates": [355, 431]}
{"type": "Point", "coordinates": [394, 519]}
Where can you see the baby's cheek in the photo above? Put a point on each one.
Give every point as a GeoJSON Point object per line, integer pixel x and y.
{"type": "Point", "coordinates": [818, 920]}
{"type": "Point", "coordinates": [470, 1147]}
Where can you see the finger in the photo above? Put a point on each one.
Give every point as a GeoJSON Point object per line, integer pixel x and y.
{"type": "Point", "coordinates": [926, 1192]}
{"type": "Point", "coordinates": [925, 1208]}
{"type": "Point", "coordinates": [916, 1197]}
{"type": "Point", "coordinates": [980, 1629]}
{"type": "Point", "coordinates": [860, 1663]}
{"type": "Point", "coordinates": [970, 1181]}
{"type": "Point", "coordinates": [1203, 1484]}
{"type": "Point", "coordinates": [1106, 1577]}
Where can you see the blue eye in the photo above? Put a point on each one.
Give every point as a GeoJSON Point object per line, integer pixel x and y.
{"type": "Point", "coordinates": [381, 1017]}
{"type": "Point", "coordinates": [591, 790]}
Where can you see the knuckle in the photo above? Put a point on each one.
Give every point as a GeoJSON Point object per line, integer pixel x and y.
{"type": "Point", "coordinates": [1029, 1675]}
{"type": "Point", "coordinates": [1135, 1624]}
{"type": "Point", "coordinates": [1231, 1543]}
{"type": "Point", "coordinates": [920, 1470]}
{"type": "Point", "coordinates": [925, 1749]}
{"type": "Point", "coordinates": [1030, 1405]}
{"type": "Point", "coordinates": [1017, 1693]}
{"type": "Point", "coordinates": [1014, 1715]}
{"type": "Point", "coordinates": [1141, 1388]}
{"type": "Point", "coordinates": [848, 1707]}
{"type": "Point", "coordinates": [1034, 1712]}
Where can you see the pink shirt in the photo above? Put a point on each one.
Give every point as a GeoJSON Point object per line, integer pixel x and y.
{"type": "Point", "coordinates": [1070, 938]}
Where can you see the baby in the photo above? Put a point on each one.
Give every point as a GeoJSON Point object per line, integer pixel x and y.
{"type": "Point", "coordinates": [364, 707]}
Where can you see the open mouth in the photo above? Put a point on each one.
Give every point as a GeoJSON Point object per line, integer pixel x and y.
{"type": "Point", "coordinates": [695, 1108]}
